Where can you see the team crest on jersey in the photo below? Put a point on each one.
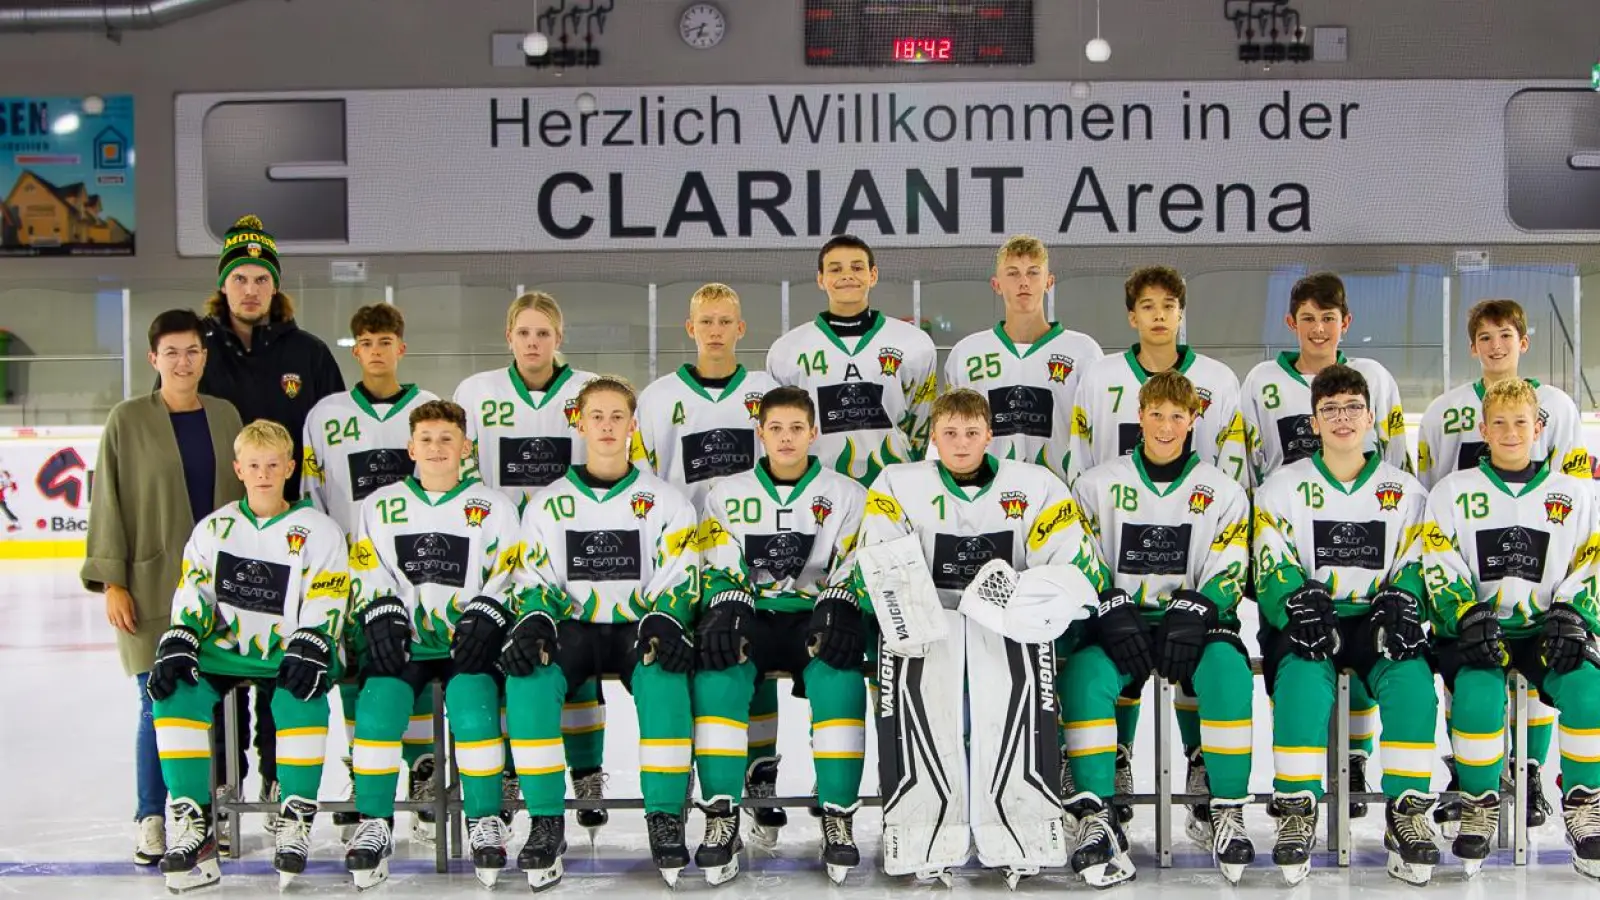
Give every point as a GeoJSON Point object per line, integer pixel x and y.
{"type": "Point", "coordinates": [1200, 499]}
{"type": "Point", "coordinates": [821, 508]}
{"type": "Point", "coordinates": [889, 360]}
{"type": "Point", "coordinates": [475, 511]}
{"type": "Point", "coordinates": [291, 384]}
{"type": "Point", "coordinates": [752, 405]}
{"type": "Point", "coordinates": [1015, 503]}
{"type": "Point", "coordinates": [1389, 495]}
{"type": "Point", "coordinates": [297, 539]}
{"type": "Point", "coordinates": [642, 503]}
{"type": "Point", "coordinates": [1205, 399]}
{"type": "Point", "coordinates": [1557, 507]}
{"type": "Point", "coordinates": [1060, 368]}
{"type": "Point", "coordinates": [571, 411]}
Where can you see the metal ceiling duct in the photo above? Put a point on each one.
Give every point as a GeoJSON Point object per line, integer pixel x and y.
{"type": "Point", "coordinates": [106, 16]}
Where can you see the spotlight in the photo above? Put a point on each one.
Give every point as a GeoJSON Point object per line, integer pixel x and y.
{"type": "Point", "coordinates": [1097, 50]}
{"type": "Point", "coordinates": [535, 44]}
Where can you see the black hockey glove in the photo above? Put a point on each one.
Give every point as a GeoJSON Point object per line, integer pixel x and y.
{"type": "Point", "coordinates": [1482, 640]}
{"type": "Point", "coordinates": [1395, 625]}
{"type": "Point", "coordinates": [1313, 626]}
{"type": "Point", "coordinates": [1124, 635]}
{"type": "Point", "coordinates": [177, 659]}
{"type": "Point", "coordinates": [724, 630]}
{"type": "Point", "coordinates": [1181, 636]}
{"type": "Point", "coordinates": [531, 644]}
{"type": "Point", "coordinates": [1566, 641]}
{"type": "Point", "coordinates": [304, 669]}
{"type": "Point", "coordinates": [836, 634]}
{"type": "Point", "coordinates": [387, 629]}
{"type": "Point", "coordinates": [480, 633]}
{"type": "Point", "coordinates": [663, 640]}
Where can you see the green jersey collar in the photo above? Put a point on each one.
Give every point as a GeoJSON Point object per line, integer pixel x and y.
{"type": "Point", "coordinates": [1144, 474]}
{"type": "Point", "coordinates": [687, 376]}
{"type": "Point", "coordinates": [1373, 460]}
{"type": "Point", "coordinates": [813, 468]}
{"type": "Point", "coordinates": [1288, 358]}
{"type": "Point", "coordinates": [1005, 339]}
{"type": "Point", "coordinates": [961, 492]}
{"type": "Point", "coordinates": [422, 494]}
{"type": "Point", "coordinates": [1477, 387]}
{"type": "Point", "coordinates": [408, 391]}
{"type": "Point", "coordinates": [626, 482]}
{"type": "Point", "coordinates": [545, 396]}
{"type": "Point", "coordinates": [1185, 360]}
{"type": "Point", "coordinates": [1538, 478]}
{"type": "Point", "coordinates": [827, 332]}
{"type": "Point", "coordinates": [244, 507]}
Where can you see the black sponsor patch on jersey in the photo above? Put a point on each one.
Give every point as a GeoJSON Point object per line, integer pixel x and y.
{"type": "Point", "coordinates": [432, 557]}
{"type": "Point", "coordinates": [957, 558]}
{"type": "Point", "coordinates": [1028, 411]}
{"type": "Point", "coordinates": [853, 406]}
{"type": "Point", "coordinates": [1515, 552]}
{"type": "Point", "coordinates": [1357, 545]}
{"type": "Point", "coordinates": [252, 585]}
{"type": "Point", "coordinates": [718, 452]}
{"type": "Point", "coordinates": [1129, 434]}
{"type": "Point", "coordinates": [373, 469]}
{"type": "Point", "coordinates": [1297, 439]}
{"type": "Point", "coordinates": [533, 461]}
{"type": "Point", "coordinates": [1468, 454]}
{"type": "Point", "coordinates": [777, 557]}
{"type": "Point", "coordinates": [603, 556]}
{"type": "Point", "coordinates": [1153, 549]}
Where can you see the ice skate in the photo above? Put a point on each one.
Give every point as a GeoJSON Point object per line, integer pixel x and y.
{"type": "Point", "coordinates": [1581, 810]}
{"type": "Point", "coordinates": [1447, 813]}
{"type": "Point", "coordinates": [1538, 805]}
{"type": "Point", "coordinates": [1358, 784]}
{"type": "Point", "coordinates": [487, 837]}
{"type": "Point", "coordinates": [1123, 786]}
{"type": "Point", "coordinates": [191, 860]}
{"type": "Point", "coordinates": [367, 856]}
{"type": "Point", "coordinates": [1197, 821]}
{"type": "Point", "coordinates": [1069, 790]}
{"type": "Point", "coordinates": [1101, 855]}
{"type": "Point", "coordinates": [540, 858]}
{"type": "Point", "coordinates": [1408, 836]}
{"type": "Point", "coordinates": [347, 820]}
{"type": "Point", "coordinates": [293, 839]}
{"type": "Point", "coordinates": [590, 784]}
{"type": "Point", "coordinates": [667, 849]}
{"type": "Point", "coordinates": [718, 855]}
{"type": "Point", "coordinates": [761, 783]}
{"type": "Point", "coordinates": [271, 793]}
{"type": "Point", "coordinates": [1477, 825]}
{"type": "Point", "coordinates": [1231, 843]}
{"type": "Point", "coordinates": [421, 791]}
{"type": "Point", "coordinates": [1296, 836]}
{"type": "Point", "coordinates": [510, 797]}
{"type": "Point", "coordinates": [152, 841]}
{"type": "Point", "coordinates": [225, 824]}
{"type": "Point", "coordinates": [839, 851]}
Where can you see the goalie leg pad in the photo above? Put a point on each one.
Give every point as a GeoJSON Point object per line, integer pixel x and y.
{"type": "Point", "coordinates": [922, 763]}
{"type": "Point", "coordinates": [1015, 763]}
{"type": "Point", "coordinates": [904, 599]}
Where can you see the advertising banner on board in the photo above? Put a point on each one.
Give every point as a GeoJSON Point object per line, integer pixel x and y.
{"type": "Point", "coordinates": [66, 176]}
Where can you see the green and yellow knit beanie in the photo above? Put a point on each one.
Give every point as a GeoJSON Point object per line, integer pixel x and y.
{"type": "Point", "coordinates": [247, 243]}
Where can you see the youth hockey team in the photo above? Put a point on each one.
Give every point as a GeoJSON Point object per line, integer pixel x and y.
{"type": "Point", "coordinates": [1006, 564]}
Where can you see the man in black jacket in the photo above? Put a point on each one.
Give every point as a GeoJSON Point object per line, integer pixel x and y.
{"type": "Point", "coordinates": [259, 360]}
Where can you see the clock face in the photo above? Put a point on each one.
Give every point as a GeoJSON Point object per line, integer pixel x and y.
{"type": "Point", "coordinates": [702, 26]}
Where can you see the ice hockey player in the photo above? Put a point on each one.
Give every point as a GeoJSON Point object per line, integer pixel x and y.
{"type": "Point", "coordinates": [1173, 532]}
{"type": "Point", "coordinates": [696, 426]}
{"type": "Point", "coordinates": [781, 594]}
{"type": "Point", "coordinates": [1449, 442]}
{"type": "Point", "coordinates": [1339, 582]}
{"type": "Point", "coordinates": [1512, 559]}
{"type": "Point", "coordinates": [608, 584]}
{"type": "Point", "coordinates": [941, 544]}
{"type": "Point", "coordinates": [1276, 405]}
{"type": "Point", "coordinates": [432, 562]}
{"type": "Point", "coordinates": [872, 376]}
{"type": "Point", "coordinates": [355, 443]}
{"type": "Point", "coordinates": [262, 598]}
{"type": "Point", "coordinates": [1027, 367]}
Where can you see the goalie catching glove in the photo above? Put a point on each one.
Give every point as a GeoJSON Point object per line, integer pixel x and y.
{"type": "Point", "coordinates": [836, 635]}
{"type": "Point", "coordinates": [1030, 607]}
{"type": "Point", "coordinates": [304, 669]}
{"type": "Point", "coordinates": [904, 598]}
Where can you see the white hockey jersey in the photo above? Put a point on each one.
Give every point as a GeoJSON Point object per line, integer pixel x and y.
{"type": "Point", "coordinates": [1449, 439]}
{"type": "Point", "coordinates": [523, 440]}
{"type": "Point", "coordinates": [248, 584]}
{"type": "Point", "coordinates": [1105, 415]}
{"type": "Point", "coordinates": [1192, 532]}
{"type": "Point", "coordinates": [610, 556]}
{"type": "Point", "coordinates": [353, 447]}
{"type": "Point", "coordinates": [1030, 389]}
{"type": "Point", "coordinates": [874, 393]}
{"type": "Point", "coordinates": [435, 552]}
{"type": "Point", "coordinates": [1355, 538]}
{"type": "Point", "coordinates": [1276, 405]}
{"type": "Point", "coordinates": [1025, 516]}
{"type": "Point", "coordinates": [691, 436]}
{"type": "Point", "coordinates": [782, 543]}
{"type": "Point", "coordinates": [1519, 547]}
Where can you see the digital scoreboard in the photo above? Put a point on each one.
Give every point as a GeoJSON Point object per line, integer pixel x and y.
{"type": "Point", "coordinates": [919, 32]}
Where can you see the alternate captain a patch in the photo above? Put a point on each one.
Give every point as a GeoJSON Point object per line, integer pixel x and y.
{"type": "Point", "coordinates": [291, 384]}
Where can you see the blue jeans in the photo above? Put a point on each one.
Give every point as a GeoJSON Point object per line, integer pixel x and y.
{"type": "Point", "coordinates": [152, 788]}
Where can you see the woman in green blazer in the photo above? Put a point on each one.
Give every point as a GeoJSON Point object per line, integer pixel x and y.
{"type": "Point", "coordinates": [166, 461]}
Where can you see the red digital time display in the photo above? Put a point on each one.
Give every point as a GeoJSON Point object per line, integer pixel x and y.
{"type": "Point", "coordinates": [921, 49]}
